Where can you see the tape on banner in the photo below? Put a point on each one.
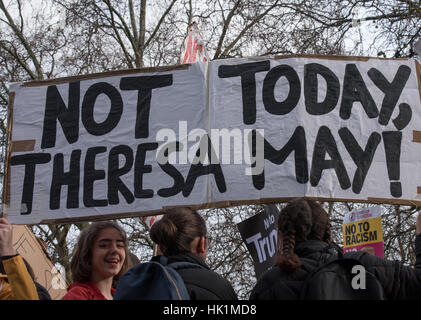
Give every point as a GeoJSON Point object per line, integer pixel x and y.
{"type": "Point", "coordinates": [416, 136]}
{"type": "Point", "coordinates": [23, 145]}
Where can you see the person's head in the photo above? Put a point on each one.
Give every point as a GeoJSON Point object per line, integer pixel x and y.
{"type": "Point", "coordinates": [299, 221]}
{"type": "Point", "coordinates": [181, 230]}
{"type": "Point", "coordinates": [101, 252]}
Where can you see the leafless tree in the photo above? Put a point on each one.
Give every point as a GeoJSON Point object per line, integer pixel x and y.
{"type": "Point", "coordinates": [55, 38]}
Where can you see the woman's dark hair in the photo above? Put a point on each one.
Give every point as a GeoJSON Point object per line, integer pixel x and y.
{"type": "Point", "coordinates": [177, 229]}
{"type": "Point", "coordinates": [81, 262]}
{"type": "Point", "coordinates": [299, 221]}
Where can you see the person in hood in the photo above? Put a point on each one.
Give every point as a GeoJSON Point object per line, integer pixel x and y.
{"type": "Point", "coordinates": [100, 258]}
{"type": "Point", "coordinates": [305, 241]}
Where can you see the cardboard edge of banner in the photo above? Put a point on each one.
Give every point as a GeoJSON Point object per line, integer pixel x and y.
{"type": "Point", "coordinates": [223, 204]}
{"type": "Point", "coordinates": [418, 70]}
{"type": "Point", "coordinates": [107, 74]}
{"type": "Point", "coordinates": [185, 66]}
{"type": "Point", "coordinates": [330, 57]}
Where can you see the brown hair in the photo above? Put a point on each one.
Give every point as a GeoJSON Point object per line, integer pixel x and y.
{"type": "Point", "coordinates": [299, 221]}
{"type": "Point", "coordinates": [81, 263]}
{"type": "Point", "coordinates": [177, 229]}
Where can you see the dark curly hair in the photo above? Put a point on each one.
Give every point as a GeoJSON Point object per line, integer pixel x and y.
{"type": "Point", "coordinates": [300, 220]}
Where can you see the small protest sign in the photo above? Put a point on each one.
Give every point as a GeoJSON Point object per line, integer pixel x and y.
{"type": "Point", "coordinates": [362, 231]}
{"type": "Point", "coordinates": [260, 235]}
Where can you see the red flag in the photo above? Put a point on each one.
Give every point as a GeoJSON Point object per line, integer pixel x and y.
{"type": "Point", "coordinates": [194, 48]}
{"type": "Point", "coordinates": [150, 220]}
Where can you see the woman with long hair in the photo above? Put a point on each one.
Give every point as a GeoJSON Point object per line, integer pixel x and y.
{"type": "Point", "coordinates": [100, 258]}
{"type": "Point", "coordinates": [305, 244]}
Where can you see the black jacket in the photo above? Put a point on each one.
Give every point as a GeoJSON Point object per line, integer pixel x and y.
{"type": "Point", "coordinates": [42, 292]}
{"type": "Point", "coordinates": [397, 280]}
{"type": "Point", "coordinates": [203, 283]}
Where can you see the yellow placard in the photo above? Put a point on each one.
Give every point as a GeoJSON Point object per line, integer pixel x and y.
{"type": "Point", "coordinates": [362, 232]}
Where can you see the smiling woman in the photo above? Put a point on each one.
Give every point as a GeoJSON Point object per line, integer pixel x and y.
{"type": "Point", "coordinates": [100, 258]}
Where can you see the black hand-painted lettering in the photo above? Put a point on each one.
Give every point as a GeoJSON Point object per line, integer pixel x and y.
{"type": "Point", "coordinates": [140, 169]}
{"type": "Point", "coordinates": [392, 146]}
{"type": "Point", "coordinates": [90, 176]}
{"type": "Point", "coordinates": [297, 144]}
{"type": "Point", "coordinates": [55, 109]}
{"type": "Point", "coordinates": [197, 170]}
{"type": "Point", "coordinates": [404, 116]}
{"type": "Point", "coordinates": [392, 91]}
{"type": "Point", "coordinates": [311, 89]}
{"type": "Point", "coordinates": [88, 104]}
{"type": "Point", "coordinates": [362, 158]}
{"type": "Point", "coordinates": [115, 184]}
{"type": "Point", "coordinates": [30, 162]}
{"type": "Point", "coordinates": [270, 103]}
{"type": "Point", "coordinates": [354, 89]}
{"type": "Point", "coordinates": [70, 178]}
{"type": "Point", "coordinates": [326, 144]}
{"type": "Point", "coordinates": [247, 73]}
{"type": "Point", "coordinates": [144, 86]}
{"type": "Point", "coordinates": [169, 169]}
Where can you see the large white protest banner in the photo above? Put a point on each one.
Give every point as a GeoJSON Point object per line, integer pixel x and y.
{"type": "Point", "coordinates": [226, 132]}
{"type": "Point", "coordinates": [333, 129]}
{"type": "Point", "coordinates": [93, 145]}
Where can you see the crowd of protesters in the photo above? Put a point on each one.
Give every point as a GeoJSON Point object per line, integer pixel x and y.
{"type": "Point", "coordinates": [101, 258]}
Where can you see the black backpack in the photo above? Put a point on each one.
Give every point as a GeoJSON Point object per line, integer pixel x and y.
{"type": "Point", "coordinates": [341, 279]}
{"type": "Point", "coordinates": [154, 280]}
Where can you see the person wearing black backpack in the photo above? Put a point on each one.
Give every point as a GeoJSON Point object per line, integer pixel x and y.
{"type": "Point", "coordinates": [306, 251]}
{"type": "Point", "coordinates": [182, 239]}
